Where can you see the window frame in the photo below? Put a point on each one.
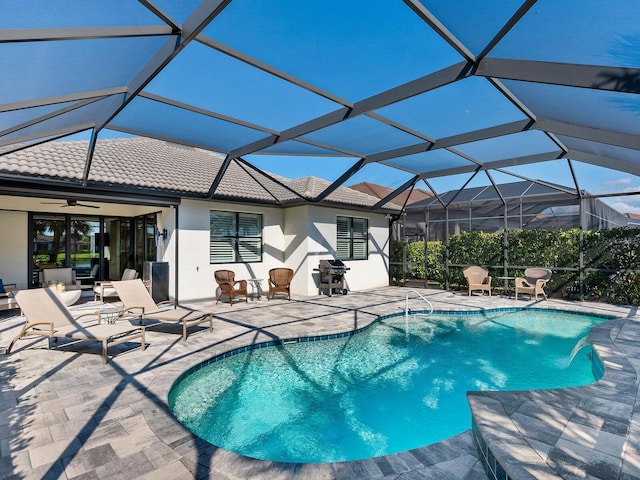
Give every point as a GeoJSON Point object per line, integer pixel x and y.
{"type": "Point", "coordinates": [352, 238]}
{"type": "Point", "coordinates": [235, 238]}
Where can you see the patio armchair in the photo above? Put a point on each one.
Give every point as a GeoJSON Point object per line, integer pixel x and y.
{"type": "Point", "coordinates": [65, 276]}
{"type": "Point", "coordinates": [280, 282]}
{"type": "Point", "coordinates": [478, 278]}
{"type": "Point", "coordinates": [229, 286]}
{"type": "Point", "coordinates": [139, 303]}
{"type": "Point", "coordinates": [92, 275]}
{"type": "Point", "coordinates": [47, 316]}
{"type": "Point", "coordinates": [533, 282]}
{"type": "Point", "coordinates": [103, 289]}
{"type": "Point", "coordinates": [7, 300]}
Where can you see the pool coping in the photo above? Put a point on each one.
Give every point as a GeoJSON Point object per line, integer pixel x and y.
{"type": "Point", "coordinates": [580, 432]}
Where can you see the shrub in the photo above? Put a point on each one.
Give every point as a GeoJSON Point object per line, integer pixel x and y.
{"type": "Point", "coordinates": [614, 253]}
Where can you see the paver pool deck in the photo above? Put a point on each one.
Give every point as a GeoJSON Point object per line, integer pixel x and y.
{"type": "Point", "coordinates": [63, 414]}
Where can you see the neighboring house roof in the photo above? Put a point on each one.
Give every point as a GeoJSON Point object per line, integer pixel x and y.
{"type": "Point", "coordinates": [379, 191]}
{"type": "Point", "coordinates": [166, 168]}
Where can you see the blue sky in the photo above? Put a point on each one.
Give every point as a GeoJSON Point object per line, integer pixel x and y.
{"type": "Point", "coordinates": [358, 48]}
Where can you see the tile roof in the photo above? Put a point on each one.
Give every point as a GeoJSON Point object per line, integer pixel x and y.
{"type": "Point", "coordinates": [312, 187]}
{"type": "Point", "coordinates": [379, 191]}
{"type": "Point", "coordinates": [163, 167]}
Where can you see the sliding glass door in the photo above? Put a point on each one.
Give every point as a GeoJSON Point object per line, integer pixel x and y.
{"type": "Point", "coordinates": [97, 248]}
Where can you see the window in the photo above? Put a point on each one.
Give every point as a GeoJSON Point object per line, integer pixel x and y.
{"type": "Point", "coordinates": [235, 237]}
{"type": "Point", "coordinates": [353, 238]}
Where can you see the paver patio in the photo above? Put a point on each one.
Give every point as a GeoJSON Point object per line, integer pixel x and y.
{"type": "Point", "coordinates": [63, 414]}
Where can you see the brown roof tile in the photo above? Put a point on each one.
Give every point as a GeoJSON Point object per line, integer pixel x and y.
{"type": "Point", "coordinates": [161, 166]}
{"type": "Point", "coordinates": [381, 192]}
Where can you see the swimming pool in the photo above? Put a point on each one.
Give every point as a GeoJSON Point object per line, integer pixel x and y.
{"type": "Point", "coordinates": [393, 387]}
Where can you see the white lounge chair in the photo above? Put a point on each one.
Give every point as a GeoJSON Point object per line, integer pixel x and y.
{"type": "Point", "coordinates": [48, 316]}
{"type": "Point", "coordinates": [138, 302]}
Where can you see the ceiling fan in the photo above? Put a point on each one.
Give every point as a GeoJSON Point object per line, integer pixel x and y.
{"type": "Point", "coordinates": [69, 203]}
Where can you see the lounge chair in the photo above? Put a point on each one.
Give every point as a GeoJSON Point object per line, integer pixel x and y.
{"type": "Point", "coordinates": [138, 302]}
{"type": "Point", "coordinates": [478, 279]}
{"type": "Point", "coordinates": [280, 282]}
{"type": "Point", "coordinates": [533, 282]}
{"type": "Point", "coordinates": [229, 286]}
{"type": "Point", "coordinates": [103, 289]}
{"type": "Point", "coordinates": [48, 316]}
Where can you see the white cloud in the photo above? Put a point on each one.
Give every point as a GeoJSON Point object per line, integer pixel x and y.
{"type": "Point", "coordinates": [620, 181]}
{"type": "Point", "coordinates": [627, 207]}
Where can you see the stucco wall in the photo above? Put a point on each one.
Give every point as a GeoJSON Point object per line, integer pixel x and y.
{"type": "Point", "coordinates": [311, 235]}
{"type": "Point", "coordinates": [195, 272]}
{"type": "Point", "coordinates": [296, 237]}
{"type": "Point", "coordinates": [14, 260]}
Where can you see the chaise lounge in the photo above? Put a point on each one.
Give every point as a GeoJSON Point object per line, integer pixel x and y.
{"type": "Point", "coordinates": [48, 316]}
{"type": "Point", "coordinates": [138, 302]}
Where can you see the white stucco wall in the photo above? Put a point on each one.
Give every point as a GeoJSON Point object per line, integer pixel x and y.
{"type": "Point", "coordinates": [311, 235]}
{"type": "Point", "coordinates": [295, 237]}
{"type": "Point", "coordinates": [195, 272]}
{"type": "Point", "coordinates": [14, 244]}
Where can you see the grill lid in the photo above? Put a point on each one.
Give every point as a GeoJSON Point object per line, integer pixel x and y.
{"type": "Point", "coordinates": [335, 263]}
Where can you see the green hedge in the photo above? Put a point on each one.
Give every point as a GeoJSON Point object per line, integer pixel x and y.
{"type": "Point", "coordinates": [616, 251]}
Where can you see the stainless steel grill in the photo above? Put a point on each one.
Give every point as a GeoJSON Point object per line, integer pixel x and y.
{"type": "Point", "coordinates": [332, 276]}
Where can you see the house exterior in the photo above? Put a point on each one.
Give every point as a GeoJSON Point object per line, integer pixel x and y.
{"type": "Point", "coordinates": [147, 200]}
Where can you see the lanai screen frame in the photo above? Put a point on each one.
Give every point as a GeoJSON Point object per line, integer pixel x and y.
{"type": "Point", "coordinates": [465, 44]}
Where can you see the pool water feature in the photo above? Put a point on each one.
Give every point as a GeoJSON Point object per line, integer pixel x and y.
{"type": "Point", "coordinates": [395, 386]}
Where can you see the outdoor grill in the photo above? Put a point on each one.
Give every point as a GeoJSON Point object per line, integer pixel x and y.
{"type": "Point", "coordinates": [332, 276]}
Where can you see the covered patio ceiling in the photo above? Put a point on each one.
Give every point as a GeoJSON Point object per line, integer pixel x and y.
{"type": "Point", "coordinates": [404, 91]}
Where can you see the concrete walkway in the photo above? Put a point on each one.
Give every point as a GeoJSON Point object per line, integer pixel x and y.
{"type": "Point", "coordinates": [63, 414]}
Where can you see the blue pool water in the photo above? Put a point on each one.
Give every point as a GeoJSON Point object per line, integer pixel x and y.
{"type": "Point", "coordinates": [393, 387]}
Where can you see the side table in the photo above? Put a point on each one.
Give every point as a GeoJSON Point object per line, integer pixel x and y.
{"type": "Point", "coordinates": [256, 285]}
{"type": "Point", "coordinates": [69, 297]}
{"type": "Point", "coordinates": [108, 314]}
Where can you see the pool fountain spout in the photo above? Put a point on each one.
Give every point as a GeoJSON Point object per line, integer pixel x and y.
{"type": "Point", "coordinates": [583, 342]}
